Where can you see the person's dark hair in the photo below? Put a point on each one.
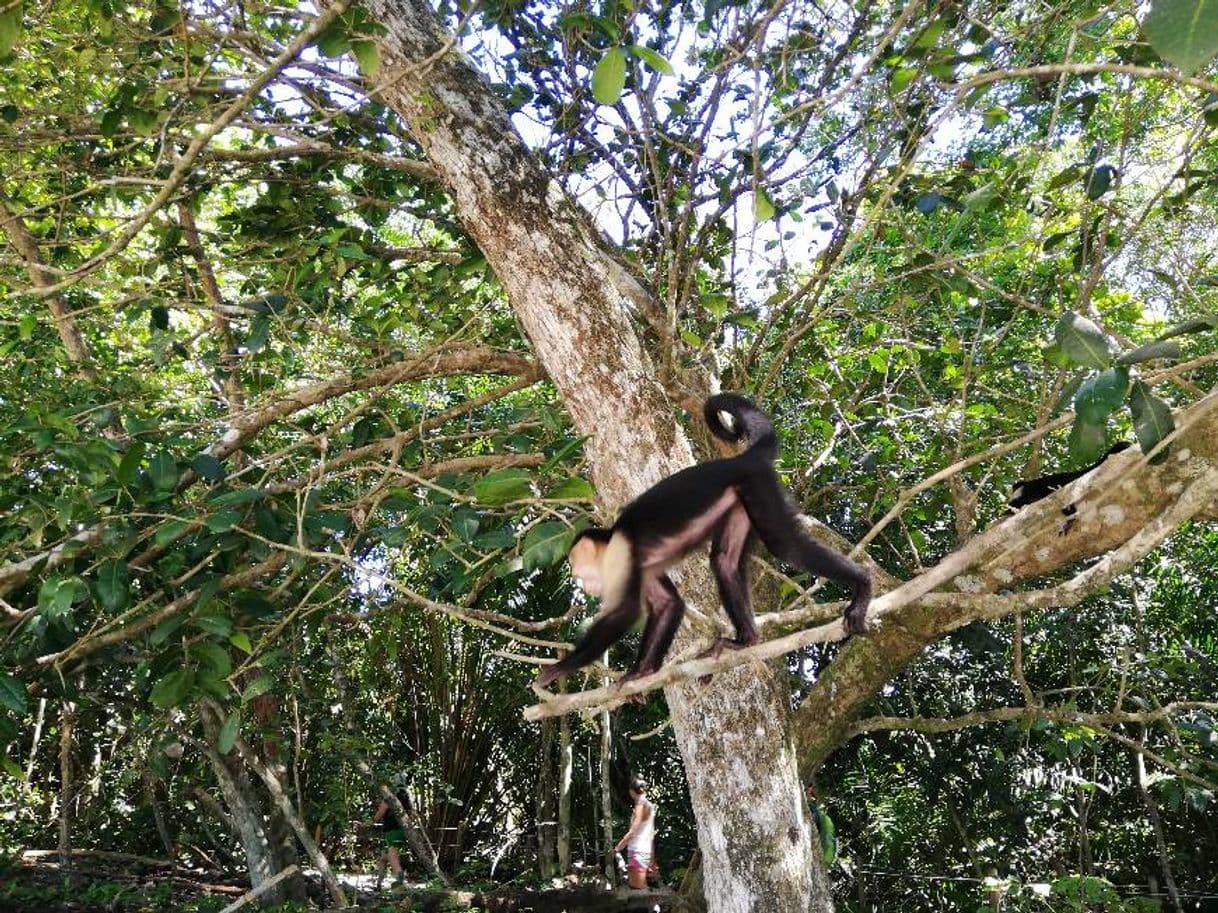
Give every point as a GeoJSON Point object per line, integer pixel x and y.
{"type": "Point", "coordinates": [638, 785]}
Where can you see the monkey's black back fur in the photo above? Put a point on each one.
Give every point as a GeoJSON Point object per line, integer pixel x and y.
{"type": "Point", "coordinates": [650, 516]}
{"type": "Point", "coordinates": [1029, 491]}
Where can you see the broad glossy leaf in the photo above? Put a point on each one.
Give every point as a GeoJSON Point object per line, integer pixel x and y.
{"type": "Point", "coordinates": [1084, 343]}
{"type": "Point", "coordinates": [546, 544]}
{"type": "Point", "coordinates": [763, 206]}
{"type": "Point", "coordinates": [113, 585]}
{"type": "Point", "coordinates": [223, 521]}
{"type": "Point", "coordinates": [1087, 441]}
{"type": "Point", "coordinates": [173, 688]}
{"type": "Point", "coordinates": [241, 641]}
{"type": "Point", "coordinates": [214, 656]}
{"type": "Point", "coordinates": [503, 486]}
{"type": "Point", "coordinates": [1101, 395]}
{"type": "Point", "coordinates": [216, 625]}
{"type": "Point", "coordinates": [13, 694]}
{"type": "Point", "coordinates": [163, 471]}
{"type": "Point", "coordinates": [1196, 325]}
{"type": "Point", "coordinates": [1158, 349]}
{"type": "Point", "coordinates": [229, 732]}
{"type": "Point", "coordinates": [574, 488]}
{"type": "Point", "coordinates": [368, 56]}
{"type": "Point", "coordinates": [261, 685]}
{"type": "Point", "coordinates": [1152, 418]}
{"type": "Point", "coordinates": [1067, 175]}
{"type": "Point", "coordinates": [1183, 32]}
{"type": "Point", "coordinates": [901, 78]}
{"type": "Point", "coordinates": [129, 465]}
{"type": "Point", "coordinates": [653, 59]}
{"type": "Point", "coordinates": [982, 197]}
{"type": "Point", "coordinates": [609, 77]}
{"type": "Point", "coordinates": [208, 467]}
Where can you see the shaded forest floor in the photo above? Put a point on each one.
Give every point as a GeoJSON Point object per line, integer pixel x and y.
{"type": "Point", "coordinates": [37, 885]}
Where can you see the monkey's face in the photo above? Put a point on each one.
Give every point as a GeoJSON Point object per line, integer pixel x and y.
{"type": "Point", "coordinates": [585, 559]}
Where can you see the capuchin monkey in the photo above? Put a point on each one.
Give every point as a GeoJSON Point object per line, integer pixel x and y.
{"type": "Point", "coordinates": [724, 502]}
{"type": "Point", "coordinates": [1028, 491]}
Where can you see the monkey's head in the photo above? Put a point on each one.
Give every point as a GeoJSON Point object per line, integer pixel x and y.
{"type": "Point", "coordinates": [585, 558]}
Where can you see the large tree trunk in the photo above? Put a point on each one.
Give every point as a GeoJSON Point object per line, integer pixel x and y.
{"type": "Point", "coordinates": [572, 297]}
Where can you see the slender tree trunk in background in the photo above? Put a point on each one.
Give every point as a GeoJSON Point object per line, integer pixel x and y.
{"type": "Point", "coordinates": [573, 298]}
{"type": "Point", "coordinates": [565, 769]}
{"type": "Point", "coordinates": [1156, 824]}
{"type": "Point", "coordinates": [606, 757]}
{"type": "Point", "coordinates": [67, 721]}
{"type": "Point", "coordinates": [158, 816]}
{"type": "Point", "coordinates": [547, 789]}
{"type": "Point", "coordinates": [292, 815]}
{"type": "Point", "coordinates": [244, 815]}
{"type": "Point", "coordinates": [65, 322]}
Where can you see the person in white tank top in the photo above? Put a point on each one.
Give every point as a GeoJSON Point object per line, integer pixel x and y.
{"type": "Point", "coordinates": [639, 840]}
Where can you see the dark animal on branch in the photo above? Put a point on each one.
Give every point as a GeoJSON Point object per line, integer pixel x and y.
{"type": "Point", "coordinates": [725, 502]}
{"type": "Point", "coordinates": [1028, 491]}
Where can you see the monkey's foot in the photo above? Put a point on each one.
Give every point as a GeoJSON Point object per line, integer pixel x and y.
{"type": "Point", "coordinates": [716, 649]}
{"type": "Point", "coordinates": [725, 643]}
{"type": "Point", "coordinates": [856, 620]}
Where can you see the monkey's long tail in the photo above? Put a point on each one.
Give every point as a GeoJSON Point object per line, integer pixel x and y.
{"type": "Point", "coordinates": [732, 417]}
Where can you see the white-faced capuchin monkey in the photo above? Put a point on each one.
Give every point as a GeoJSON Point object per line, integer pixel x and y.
{"type": "Point", "coordinates": [724, 501]}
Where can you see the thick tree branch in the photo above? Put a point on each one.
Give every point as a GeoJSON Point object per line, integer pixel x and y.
{"type": "Point", "coordinates": [1126, 507]}
{"type": "Point", "coordinates": [65, 323]}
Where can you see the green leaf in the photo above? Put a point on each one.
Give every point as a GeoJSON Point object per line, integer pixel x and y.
{"type": "Point", "coordinates": [163, 471]}
{"type": "Point", "coordinates": [901, 78]}
{"type": "Point", "coordinates": [465, 524]}
{"type": "Point", "coordinates": [169, 532]}
{"type": "Point", "coordinates": [1196, 325]}
{"type": "Point", "coordinates": [229, 732]}
{"type": "Point", "coordinates": [241, 641]}
{"type": "Point", "coordinates": [368, 56]}
{"type": "Point", "coordinates": [216, 625]}
{"type": "Point", "coordinates": [1084, 343]}
{"type": "Point", "coordinates": [503, 486]}
{"type": "Point", "coordinates": [13, 694]}
{"type": "Point", "coordinates": [261, 685]}
{"type": "Point", "coordinates": [208, 467]}
{"type": "Point", "coordinates": [113, 585]}
{"type": "Point", "coordinates": [609, 77]}
{"type": "Point", "coordinates": [763, 206]}
{"type": "Point", "coordinates": [26, 327]}
{"type": "Point", "coordinates": [653, 59]}
{"type": "Point", "coordinates": [1067, 175]}
{"type": "Point", "coordinates": [1158, 349]}
{"type": "Point", "coordinates": [828, 833]}
{"type": "Point", "coordinates": [1183, 32]}
{"type": "Point", "coordinates": [546, 544]}
{"type": "Point", "coordinates": [1152, 418]}
{"type": "Point", "coordinates": [574, 488]}
{"type": "Point", "coordinates": [10, 29]}
{"type": "Point", "coordinates": [129, 465]}
{"type": "Point", "coordinates": [1087, 441]}
{"type": "Point", "coordinates": [980, 198]}
{"type": "Point", "coordinates": [173, 688]}
{"type": "Point", "coordinates": [333, 41]}
{"type": "Point", "coordinates": [214, 656]}
{"type": "Point", "coordinates": [223, 521]}
{"type": "Point", "coordinates": [1101, 395]}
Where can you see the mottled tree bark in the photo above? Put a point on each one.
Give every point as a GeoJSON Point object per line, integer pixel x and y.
{"type": "Point", "coordinates": [573, 299]}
